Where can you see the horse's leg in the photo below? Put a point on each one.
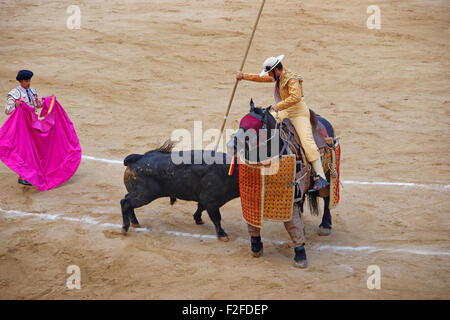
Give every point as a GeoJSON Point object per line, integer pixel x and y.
{"type": "Point", "coordinates": [300, 204]}
{"type": "Point", "coordinates": [325, 226]}
{"type": "Point", "coordinates": [301, 211]}
{"type": "Point", "coordinates": [198, 214]}
{"type": "Point", "coordinates": [214, 214]}
{"type": "Point", "coordinates": [256, 244]}
{"type": "Point", "coordinates": [296, 231]}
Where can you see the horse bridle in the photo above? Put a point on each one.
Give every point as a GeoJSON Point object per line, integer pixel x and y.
{"type": "Point", "coordinates": [277, 127]}
{"type": "Point", "coordinates": [263, 119]}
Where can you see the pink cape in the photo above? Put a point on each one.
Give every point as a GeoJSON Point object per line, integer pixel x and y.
{"type": "Point", "coordinates": [45, 152]}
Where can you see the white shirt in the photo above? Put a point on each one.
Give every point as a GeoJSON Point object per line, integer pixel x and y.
{"type": "Point", "coordinates": [28, 95]}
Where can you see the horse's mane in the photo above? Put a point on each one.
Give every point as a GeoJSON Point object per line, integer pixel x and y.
{"type": "Point", "coordinates": [165, 148]}
{"type": "Point", "coordinates": [268, 115]}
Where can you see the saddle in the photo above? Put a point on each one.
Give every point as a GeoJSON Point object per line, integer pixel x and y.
{"type": "Point", "coordinates": [293, 139]}
{"type": "Point", "coordinates": [290, 135]}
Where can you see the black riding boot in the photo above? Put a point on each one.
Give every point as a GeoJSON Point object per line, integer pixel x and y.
{"type": "Point", "coordinates": [318, 184]}
{"type": "Point", "coordinates": [257, 246]}
{"type": "Point", "coordinates": [300, 257]}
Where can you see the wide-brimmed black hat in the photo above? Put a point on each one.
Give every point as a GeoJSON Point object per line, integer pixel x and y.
{"type": "Point", "coordinates": [24, 75]}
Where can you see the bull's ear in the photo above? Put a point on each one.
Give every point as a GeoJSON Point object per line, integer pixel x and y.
{"type": "Point", "coordinates": [252, 105]}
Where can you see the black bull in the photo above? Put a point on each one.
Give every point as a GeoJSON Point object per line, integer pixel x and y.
{"type": "Point", "coordinates": [154, 175]}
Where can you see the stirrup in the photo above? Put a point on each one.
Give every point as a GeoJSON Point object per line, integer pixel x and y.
{"type": "Point", "coordinates": [319, 183]}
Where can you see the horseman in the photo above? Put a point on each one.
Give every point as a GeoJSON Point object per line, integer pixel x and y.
{"type": "Point", "coordinates": [289, 104]}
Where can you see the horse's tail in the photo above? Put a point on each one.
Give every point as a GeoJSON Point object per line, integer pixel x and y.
{"type": "Point", "coordinates": [313, 202]}
{"type": "Point", "coordinates": [131, 158]}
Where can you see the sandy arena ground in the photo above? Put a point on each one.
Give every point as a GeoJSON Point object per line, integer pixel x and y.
{"type": "Point", "coordinates": [136, 70]}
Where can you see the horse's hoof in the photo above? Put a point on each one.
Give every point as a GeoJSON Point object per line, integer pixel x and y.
{"type": "Point", "coordinates": [224, 239]}
{"type": "Point", "coordinates": [258, 254]}
{"type": "Point", "coordinates": [124, 231]}
{"type": "Point", "coordinates": [136, 225]}
{"type": "Point", "coordinates": [324, 231]}
{"type": "Point", "coordinates": [199, 222]}
{"type": "Point", "coordinates": [302, 264]}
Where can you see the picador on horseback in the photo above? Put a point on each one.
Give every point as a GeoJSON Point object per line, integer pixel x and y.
{"type": "Point", "coordinates": [289, 97]}
{"type": "Point", "coordinates": [302, 133]}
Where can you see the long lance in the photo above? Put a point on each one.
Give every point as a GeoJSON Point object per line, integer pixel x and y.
{"type": "Point", "coordinates": [242, 67]}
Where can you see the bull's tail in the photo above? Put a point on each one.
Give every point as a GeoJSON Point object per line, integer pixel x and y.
{"type": "Point", "coordinates": [132, 158]}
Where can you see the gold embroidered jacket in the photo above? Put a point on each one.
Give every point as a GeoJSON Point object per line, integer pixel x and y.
{"type": "Point", "coordinates": [288, 91]}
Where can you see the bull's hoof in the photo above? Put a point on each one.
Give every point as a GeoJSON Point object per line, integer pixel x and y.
{"type": "Point", "coordinates": [199, 221]}
{"type": "Point", "coordinates": [324, 231]}
{"type": "Point", "coordinates": [136, 225]}
{"type": "Point", "coordinates": [258, 253]}
{"type": "Point", "coordinates": [124, 230]}
{"type": "Point", "coordinates": [302, 264]}
{"type": "Point", "coordinates": [224, 238]}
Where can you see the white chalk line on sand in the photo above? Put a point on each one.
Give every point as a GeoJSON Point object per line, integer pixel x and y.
{"type": "Point", "coordinates": [102, 160]}
{"type": "Point", "coordinates": [398, 184]}
{"type": "Point", "coordinates": [89, 220]}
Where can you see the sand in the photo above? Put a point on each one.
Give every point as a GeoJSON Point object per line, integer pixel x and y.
{"type": "Point", "coordinates": [136, 71]}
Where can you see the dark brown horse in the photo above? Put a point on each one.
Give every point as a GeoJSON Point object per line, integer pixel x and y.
{"type": "Point", "coordinates": [264, 127]}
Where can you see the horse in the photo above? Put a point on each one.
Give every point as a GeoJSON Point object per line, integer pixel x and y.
{"type": "Point", "coordinates": [261, 118]}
